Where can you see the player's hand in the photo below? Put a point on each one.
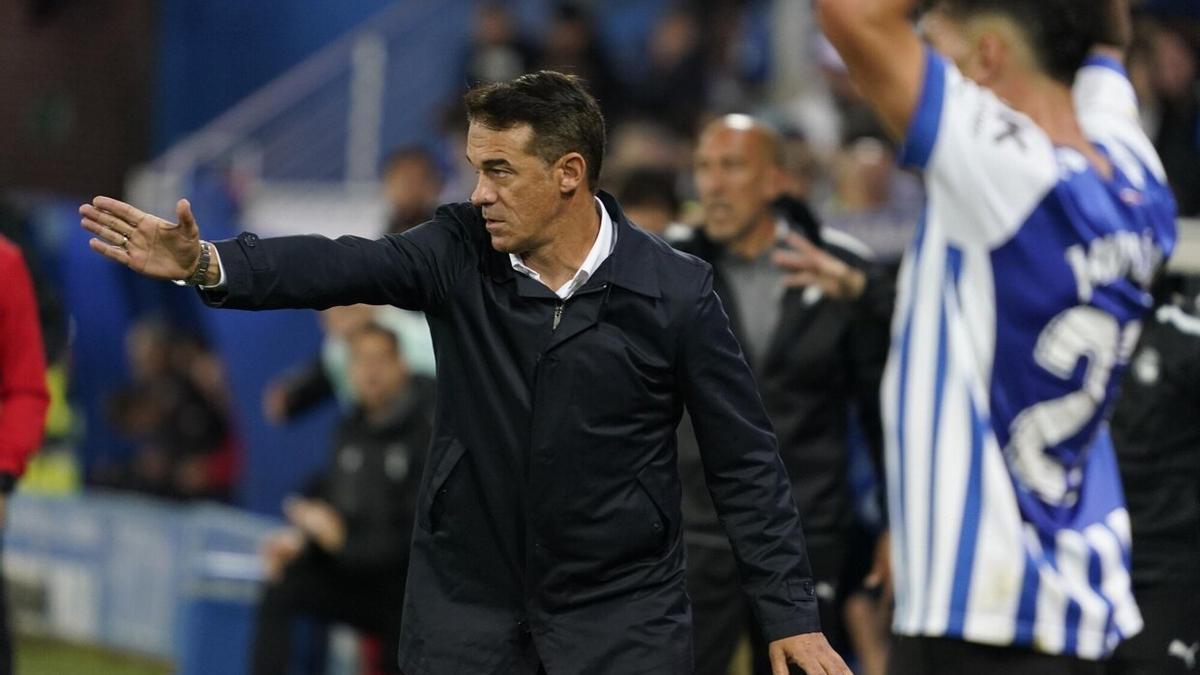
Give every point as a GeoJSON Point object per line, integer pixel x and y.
{"type": "Point", "coordinates": [880, 577]}
{"type": "Point", "coordinates": [810, 651]}
{"type": "Point", "coordinates": [319, 521]}
{"type": "Point", "coordinates": [142, 242]}
{"type": "Point", "coordinates": [808, 265]}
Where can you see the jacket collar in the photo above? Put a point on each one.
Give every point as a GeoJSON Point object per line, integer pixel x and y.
{"type": "Point", "coordinates": [631, 265]}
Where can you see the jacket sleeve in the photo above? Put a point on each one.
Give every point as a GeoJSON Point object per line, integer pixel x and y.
{"type": "Point", "coordinates": [745, 476]}
{"type": "Point", "coordinates": [413, 270]}
{"type": "Point", "coordinates": [23, 395]}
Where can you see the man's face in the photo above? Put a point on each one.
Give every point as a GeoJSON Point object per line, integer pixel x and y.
{"type": "Point", "coordinates": [736, 180]}
{"type": "Point", "coordinates": [377, 373]}
{"type": "Point", "coordinates": [518, 192]}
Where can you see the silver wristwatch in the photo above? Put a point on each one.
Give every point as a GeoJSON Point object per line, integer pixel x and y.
{"type": "Point", "coordinates": [201, 272]}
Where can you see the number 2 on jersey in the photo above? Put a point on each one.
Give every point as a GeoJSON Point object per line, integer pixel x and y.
{"type": "Point", "coordinates": [1080, 332]}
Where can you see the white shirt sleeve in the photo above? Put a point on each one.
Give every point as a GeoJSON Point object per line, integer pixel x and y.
{"type": "Point", "coordinates": [983, 161]}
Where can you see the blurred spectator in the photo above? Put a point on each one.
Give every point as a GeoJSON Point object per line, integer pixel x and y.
{"type": "Point", "coordinates": [1172, 109]}
{"type": "Point", "coordinates": [649, 199]}
{"type": "Point", "coordinates": [15, 226]}
{"type": "Point", "coordinates": [1156, 434]}
{"type": "Point", "coordinates": [183, 445]}
{"type": "Point", "coordinates": [345, 553]}
{"type": "Point", "coordinates": [815, 358]}
{"type": "Point", "coordinates": [23, 397]}
{"type": "Point", "coordinates": [327, 375]}
{"type": "Point", "coordinates": [643, 143]}
{"type": "Point", "coordinates": [497, 53]}
{"type": "Point", "coordinates": [672, 88]}
{"type": "Point", "coordinates": [571, 46]}
{"type": "Point", "coordinates": [412, 187]}
{"type": "Point", "coordinates": [802, 168]}
{"type": "Point", "coordinates": [872, 199]}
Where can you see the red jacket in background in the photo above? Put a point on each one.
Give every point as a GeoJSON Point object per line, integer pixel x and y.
{"type": "Point", "coordinates": [23, 396]}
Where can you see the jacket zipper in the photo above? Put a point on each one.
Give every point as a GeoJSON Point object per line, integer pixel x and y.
{"type": "Point", "coordinates": [562, 304]}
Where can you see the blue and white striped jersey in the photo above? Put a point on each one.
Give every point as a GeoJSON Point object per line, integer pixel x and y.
{"type": "Point", "coordinates": [1019, 305]}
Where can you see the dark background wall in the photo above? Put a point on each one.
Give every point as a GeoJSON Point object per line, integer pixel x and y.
{"type": "Point", "coordinates": [76, 81]}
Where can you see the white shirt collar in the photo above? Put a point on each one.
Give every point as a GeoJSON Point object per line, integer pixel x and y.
{"type": "Point", "coordinates": [606, 241]}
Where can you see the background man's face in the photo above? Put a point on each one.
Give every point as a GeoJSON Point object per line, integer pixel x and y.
{"type": "Point", "coordinates": [736, 181]}
{"type": "Point", "coordinates": [517, 191]}
{"type": "Point", "coordinates": [377, 372]}
{"type": "Point", "coordinates": [411, 187]}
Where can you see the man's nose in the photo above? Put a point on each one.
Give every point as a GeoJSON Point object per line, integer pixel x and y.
{"type": "Point", "coordinates": [483, 193]}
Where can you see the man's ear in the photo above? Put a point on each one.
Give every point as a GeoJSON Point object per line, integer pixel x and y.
{"type": "Point", "coordinates": [993, 55]}
{"type": "Point", "coordinates": [571, 172]}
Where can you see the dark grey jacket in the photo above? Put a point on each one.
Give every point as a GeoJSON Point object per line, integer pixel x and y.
{"type": "Point", "coordinates": [548, 521]}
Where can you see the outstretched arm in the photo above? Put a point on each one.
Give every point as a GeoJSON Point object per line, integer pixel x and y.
{"type": "Point", "coordinates": [415, 270]}
{"type": "Point", "coordinates": [882, 53]}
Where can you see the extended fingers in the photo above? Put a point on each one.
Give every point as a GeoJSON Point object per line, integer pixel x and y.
{"type": "Point", "coordinates": [106, 219]}
{"type": "Point", "coordinates": [106, 234]}
{"type": "Point", "coordinates": [110, 251]}
{"type": "Point", "coordinates": [126, 212]}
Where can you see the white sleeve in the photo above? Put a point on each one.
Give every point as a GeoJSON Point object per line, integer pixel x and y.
{"type": "Point", "coordinates": [985, 164]}
{"type": "Point", "coordinates": [1108, 112]}
{"type": "Point", "coordinates": [1102, 87]}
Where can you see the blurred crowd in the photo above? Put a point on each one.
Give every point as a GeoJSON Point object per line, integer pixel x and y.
{"type": "Point", "coordinates": [701, 61]}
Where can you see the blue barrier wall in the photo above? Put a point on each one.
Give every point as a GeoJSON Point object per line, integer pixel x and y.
{"type": "Point", "coordinates": [138, 575]}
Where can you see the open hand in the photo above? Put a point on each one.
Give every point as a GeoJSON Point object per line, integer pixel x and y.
{"type": "Point", "coordinates": [279, 549]}
{"type": "Point", "coordinates": [810, 651]}
{"type": "Point", "coordinates": [318, 520]}
{"type": "Point", "coordinates": [142, 242]}
{"type": "Point", "coordinates": [808, 265]}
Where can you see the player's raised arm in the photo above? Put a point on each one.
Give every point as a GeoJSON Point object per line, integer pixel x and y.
{"type": "Point", "coordinates": [1115, 30]}
{"type": "Point", "coordinates": [882, 52]}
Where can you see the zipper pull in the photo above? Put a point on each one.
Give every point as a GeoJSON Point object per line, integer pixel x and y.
{"type": "Point", "coordinates": [558, 310]}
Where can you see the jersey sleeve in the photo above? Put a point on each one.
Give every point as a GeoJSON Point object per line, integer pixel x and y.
{"type": "Point", "coordinates": [986, 166]}
{"type": "Point", "coordinates": [1102, 87]}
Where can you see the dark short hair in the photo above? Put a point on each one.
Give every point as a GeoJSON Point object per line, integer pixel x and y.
{"type": "Point", "coordinates": [564, 117]}
{"type": "Point", "coordinates": [649, 187]}
{"type": "Point", "coordinates": [1061, 32]}
{"type": "Point", "coordinates": [413, 153]}
{"type": "Point", "coordinates": [378, 330]}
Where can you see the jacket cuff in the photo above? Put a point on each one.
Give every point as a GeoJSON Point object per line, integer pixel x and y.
{"type": "Point", "coordinates": [805, 619]}
{"type": "Point", "coordinates": [238, 258]}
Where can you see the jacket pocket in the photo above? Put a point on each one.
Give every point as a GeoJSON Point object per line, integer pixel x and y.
{"type": "Point", "coordinates": [433, 497]}
{"type": "Point", "coordinates": [657, 521]}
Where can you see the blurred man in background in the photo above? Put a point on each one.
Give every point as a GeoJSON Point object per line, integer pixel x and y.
{"type": "Point", "coordinates": [815, 358]}
{"type": "Point", "coordinates": [183, 448]}
{"type": "Point", "coordinates": [651, 200]}
{"type": "Point", "coordinates": [23, 396]}
{"type": "Point", "coordinates": [345, 555]}
{"type": "Point", "coordinates": [1047, 217]}
{"type": "Point", "coordinates": [1156, 432]}
{"type": "Point", "coordinates": [412, 187]}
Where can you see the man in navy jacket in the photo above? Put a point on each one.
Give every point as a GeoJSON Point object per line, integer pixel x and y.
{"type": "Point", "coordinates": [568, 343]}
